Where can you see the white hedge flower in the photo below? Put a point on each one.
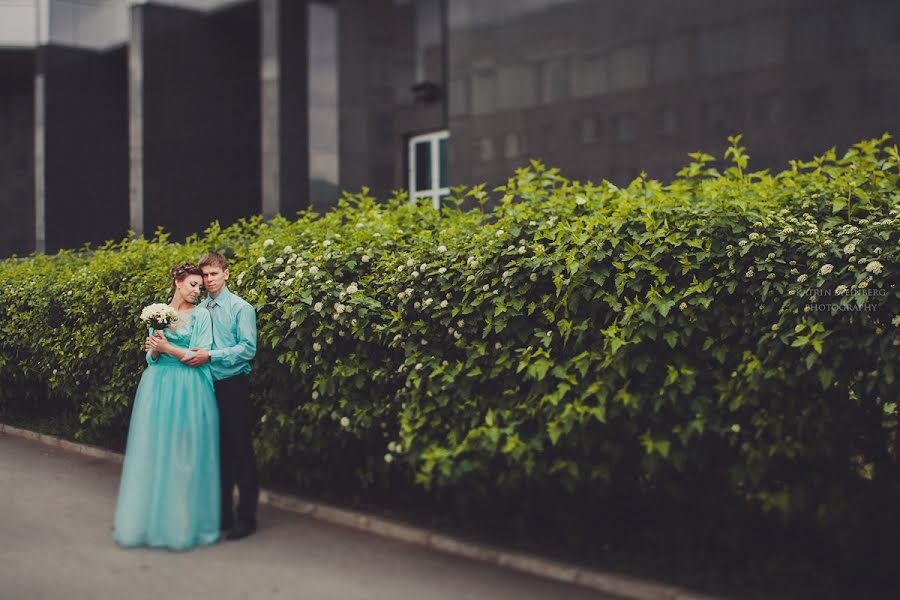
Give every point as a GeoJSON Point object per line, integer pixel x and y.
{"type": "Point", "coordinates": [742, 243]}
{"type": "Point", "coordinates": [820, 255]}
{"type": "Point", "coordinates": [754, 236]}
{"type": "Point", "coordinates": [345, 422]}
{"type": "Point", "coordinates": [500, 233]}
{"type": "Point", "coordinates": [389, 458]}
{"type": "Point", "coordinates": [485, 287]}
{"type": "Point", "coordinates": [442, 248]}
{"type": "Point", "coordinates": [313, 270]}
{"type": "Point", "coordinates": [442, 270]}
{"type": "Point", "coordinates": [410, 263]}
{"type": "Point", "coordinates": [841, 290]}
{"type": "Point", "coordinates": [364, 258]}
{"type": "Point", "coordinates": [339, 308]}
{"type": "Point", "coordinates": [317, 347]}
{"type": "Point", "coordinates": [750, 273]}
{"type": "Point", "coordinates": [352, 288]}
{"type": "Point", "coordinates": [415, 274]}
{"type": "Point", "coordinates": [293, 324]}
{"type": "Point", "coordinates": [419, 366]}
{"type": "Point", "coordinates": [850, 248]}
{"type": "Point", "coordinates": [392, 446]}
{"type": "Point", "coordinates": [522, 250]}
{"type": "Point", "coordinates": [288, 250]}
{"type": "Point", "coordinates": [802, 278]}
{"type": "Point", "coordinates": [460, 323]}
{"type": "Point", "coordinates": [268, 242]}
{"type": "Point", "coordinates": [444, 303]}
{"type": "Point", "coordinates": [261, 259]}
{"type": "Point", "coordinates": [288, 282]}
{"type": "Point", "coordinates": [874, 267]}
{"type": "Point", "coordinates": [327, 243]}
{"type": "Point", "coordinates": [470, 278]}
{"type": "Point", "coordinates": [318, 307]}
{"type": "Point", "coordinates": [580, 200]}
{"type": "Point", "coordinates": [683, 306]}
{"type": "Point", "coordinates": [826, 269]}
{"type": "Point", "coordinates": [895, 321]}
{"type": "Point", "coordinates": [533, 277]}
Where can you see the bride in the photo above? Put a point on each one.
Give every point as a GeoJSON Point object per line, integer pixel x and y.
{"type": "Point", "coordinates": [169, 494]}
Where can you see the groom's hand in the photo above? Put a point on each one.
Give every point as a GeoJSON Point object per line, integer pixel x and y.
{"type": "Point", "coordinates": [200, 357]}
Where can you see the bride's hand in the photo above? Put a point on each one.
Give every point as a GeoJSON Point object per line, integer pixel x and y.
{"type": "Point", "coordinates": [158, 342]}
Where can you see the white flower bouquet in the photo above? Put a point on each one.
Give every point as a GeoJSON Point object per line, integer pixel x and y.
{"type": "Point", "coordinates": [158, 316]}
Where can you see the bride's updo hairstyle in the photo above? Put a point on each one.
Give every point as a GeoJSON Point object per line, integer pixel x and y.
{"type": "Point", "coordinates": [179, 272]}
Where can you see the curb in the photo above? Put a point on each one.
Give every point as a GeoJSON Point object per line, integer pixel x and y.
{"type": "Point", "coordinates": [608, 583]}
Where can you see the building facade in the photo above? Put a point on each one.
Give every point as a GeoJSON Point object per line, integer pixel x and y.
{"type": "Point", "coordinates": [120, 115]}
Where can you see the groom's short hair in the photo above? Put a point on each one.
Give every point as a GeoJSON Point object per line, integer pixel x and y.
{"type": "Point", "coordinates": [214, 259]}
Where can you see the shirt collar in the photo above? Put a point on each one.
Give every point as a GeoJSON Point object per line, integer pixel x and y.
{"type": "Point", "coordinates": [221, 299]}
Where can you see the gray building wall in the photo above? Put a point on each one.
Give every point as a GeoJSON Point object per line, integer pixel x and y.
{"type": "Point", "coordinates": [607, 89]}
{"type": "Point", "coordinates": [16, 152]}
{"type": "Point", "coordinates": [200, 129]}
{"type": "Point", "coordinates": [246, 107]}
{"type": "Point", "coordinates": [85, 148]}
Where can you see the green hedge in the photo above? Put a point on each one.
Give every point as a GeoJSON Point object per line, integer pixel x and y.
{"type": "Point", "coordinates": [684, 341]}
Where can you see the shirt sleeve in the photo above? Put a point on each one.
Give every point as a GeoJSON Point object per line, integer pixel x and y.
{"type": "Point", "coordinates": [244, 348]}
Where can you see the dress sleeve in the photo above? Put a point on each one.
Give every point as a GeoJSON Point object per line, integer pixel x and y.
{"type": "Point", "coordinates": [201, 330]}
{"type": "Point", "coordinates": [150, 360]}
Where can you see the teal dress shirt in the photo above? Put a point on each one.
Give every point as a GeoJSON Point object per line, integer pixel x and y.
{"type": "Point", "coordinates": [233, 334]}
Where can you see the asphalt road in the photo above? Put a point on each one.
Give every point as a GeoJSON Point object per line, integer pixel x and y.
{"type": "Point", "coordinates": [56, 511]}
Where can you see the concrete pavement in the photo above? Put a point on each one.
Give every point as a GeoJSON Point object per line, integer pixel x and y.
{"type": "Point", "coordinates": [56, 510]}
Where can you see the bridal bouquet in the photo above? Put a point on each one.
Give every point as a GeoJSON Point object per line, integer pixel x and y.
{"type": "Point", "coordinates": [159, 316]}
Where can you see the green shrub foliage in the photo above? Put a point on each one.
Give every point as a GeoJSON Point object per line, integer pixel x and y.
{"type": "Point", "coordinates": [731, 334]}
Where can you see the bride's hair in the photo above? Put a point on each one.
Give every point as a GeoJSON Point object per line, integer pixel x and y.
{"type": "Point", "coordinates": [179, 272]}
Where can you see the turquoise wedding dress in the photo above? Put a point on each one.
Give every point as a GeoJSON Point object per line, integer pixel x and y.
{"type": "Point", "coordinates": [169, 495]}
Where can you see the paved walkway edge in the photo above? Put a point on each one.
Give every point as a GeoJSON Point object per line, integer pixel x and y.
{"type": "Point", "coordinates": [608, 583]}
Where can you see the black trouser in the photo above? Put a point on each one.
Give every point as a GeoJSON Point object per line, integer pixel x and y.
{"type": "Point", "coordinates": [236, 459]}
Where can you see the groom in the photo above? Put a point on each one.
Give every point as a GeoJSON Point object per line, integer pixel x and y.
{"type": "Point", "coordinates": [233, 347]}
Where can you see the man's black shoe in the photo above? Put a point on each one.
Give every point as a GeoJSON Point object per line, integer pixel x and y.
{"type": "Point", "coordinates": [240, 531]}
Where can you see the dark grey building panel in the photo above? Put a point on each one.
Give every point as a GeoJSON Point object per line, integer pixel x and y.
{"type": "Point", "coordinates": [16, 152]}
{"type": "Point", "coordinates": [85, 148]}
{"type": "Point", "coordinates": [201, 116]}
{"type": "Point", "coordinates": [607, 89]}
